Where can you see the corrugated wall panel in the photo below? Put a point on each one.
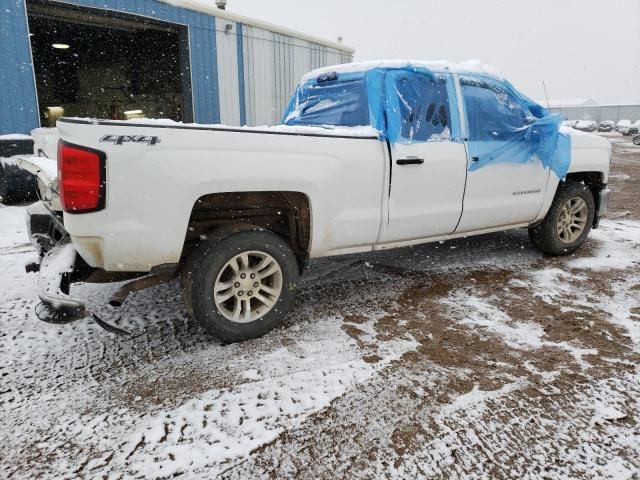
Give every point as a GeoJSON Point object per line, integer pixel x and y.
{"type": "Point", "coordinates": [286, 80]}
{"type": "Point", "coordinates": [227, 46]}
{"type": "Point", "coordinates": [273, 65]}
{"type": "Point", "coordinates": [241, 80]}
{"type": "Point", "coordinates": [259, 71]}
{"type": "Point", "coordinates": [301, 60]}
{"type": "Point", "coordinates": [631, 112]}
{"type": "Point", "coordinates": [204, 75]}
{"type": "Point", "coordinates": [18, 104]}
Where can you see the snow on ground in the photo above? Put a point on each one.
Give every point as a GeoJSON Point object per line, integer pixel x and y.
{"type": "Point", "coordinates": [621, 253]}
{"type": "Point", "coordinates": [15, 252]}
{"type": "Point", "coordinates": [476, 358]}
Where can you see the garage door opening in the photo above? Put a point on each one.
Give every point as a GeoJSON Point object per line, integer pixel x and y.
{"type": "Point", "coordinates": [89, 63]}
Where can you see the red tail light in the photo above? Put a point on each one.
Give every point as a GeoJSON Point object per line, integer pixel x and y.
{"type": "Point", "coordinates": [81, 178]}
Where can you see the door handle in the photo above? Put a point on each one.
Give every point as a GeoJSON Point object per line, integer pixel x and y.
{"type": "Point", "coordinates": [475, 159]}
{"type": "Point", "coordinates": [410, 161]}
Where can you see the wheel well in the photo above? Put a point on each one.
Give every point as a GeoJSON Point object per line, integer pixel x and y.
{"type": "Point", "coordinates": [593, 180]}
{"type": "Point", "coordinates": [288, 214]}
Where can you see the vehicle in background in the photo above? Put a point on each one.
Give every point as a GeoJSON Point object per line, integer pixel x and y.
{"type": "Point", "coordinates": [636, 140]}
{"type": "Point", "coordinates": [586, 125]}
{"type": "Point", "coordinates": [16, 185]}
{"type": "Point", "coordinates": [569, 123]}
{"type": "Point", "coordinates": [634, 129]}
{"type": "Point", "coordinates": [622, 124]}
{"type": "Point", "coordinates": [607, 126]}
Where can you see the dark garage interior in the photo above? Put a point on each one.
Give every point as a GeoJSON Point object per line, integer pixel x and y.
{"type": "Point", "coordinates": [90, 63]}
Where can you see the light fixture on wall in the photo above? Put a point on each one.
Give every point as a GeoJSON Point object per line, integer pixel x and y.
{"type": "Point", "coordinates": [60, 46]}
{"type": "Point", "coordinates": [228, 28]}
{"type": "Point", "coordinates": [132, 114]}
{"type": "Point", "coordinates": [52, 114]}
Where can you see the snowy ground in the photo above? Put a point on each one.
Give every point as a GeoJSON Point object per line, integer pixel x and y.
{"type": "Point", "coordinates": [477, 358]}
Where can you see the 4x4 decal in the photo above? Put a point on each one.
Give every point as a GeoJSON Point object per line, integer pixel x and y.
{"type": "Point", "coordinates": [122, 139]}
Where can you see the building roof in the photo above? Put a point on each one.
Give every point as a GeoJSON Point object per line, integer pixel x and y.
{"type": "Point", "coordinates": [571, 102]}
{"type": "Point", "coordinates": [209, 7]}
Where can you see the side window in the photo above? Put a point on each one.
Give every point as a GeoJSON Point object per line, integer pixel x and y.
{"type": "Point", "coordinates": [424, 108]}
{"type": "Point", "coordinates": [493, 112]}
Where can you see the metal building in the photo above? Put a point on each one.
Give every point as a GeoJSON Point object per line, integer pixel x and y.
{"type": "Point", "coordinates": [180, 59]}
{"type": "Point", "coordinates": [599, 113]}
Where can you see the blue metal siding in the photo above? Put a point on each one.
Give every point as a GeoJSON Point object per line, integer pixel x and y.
{"type": "Point", "coordinates": [242, 95]}
{"type": "Point", "coordinates": [19, 112]}
{"type": "Point", "coordinates": [18, 101]}
{"type": "Point", "coordinates": [204, 68]}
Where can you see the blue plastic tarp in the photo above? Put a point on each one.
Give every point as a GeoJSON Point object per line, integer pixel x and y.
{"type": "Point", "coordinates": [415, 105]}
{"type": "Point", "coordinates": [421, 106]}
{"type": "Point", "coordinates": [506, 127]}
{"type": "Point", "coordinates": [326, 102]}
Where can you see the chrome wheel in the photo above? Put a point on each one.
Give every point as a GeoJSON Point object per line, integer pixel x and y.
{"type": "Point", "coordinates": [572, 220]}
{"type": "Point", "coordinates": [248, 287]}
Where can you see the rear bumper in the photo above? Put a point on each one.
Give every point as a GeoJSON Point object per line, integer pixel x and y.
{"type": "Point", "coordinates": [58, 260]}
{"type": "Point", "coordinates": [55, 278]}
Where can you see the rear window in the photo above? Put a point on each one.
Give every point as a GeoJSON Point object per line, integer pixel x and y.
{"type": "Point", "coordinates": [334, 103]}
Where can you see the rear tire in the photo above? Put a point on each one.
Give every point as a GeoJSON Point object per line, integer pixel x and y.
{"type": "Point", "coordinates": [240, 283]}
{"type": "Point", "coordinates": [568, 222]}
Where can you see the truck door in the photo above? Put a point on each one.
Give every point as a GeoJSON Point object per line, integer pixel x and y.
{"type": "Point", "coordinates": [505, 186]}
{"type": "Point", "coordinates": [428, 169]}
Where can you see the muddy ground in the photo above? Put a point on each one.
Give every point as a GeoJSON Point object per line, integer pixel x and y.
{"type": "Point", "coordinates": [476, 358]}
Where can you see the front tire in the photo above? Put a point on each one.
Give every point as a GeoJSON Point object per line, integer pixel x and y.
{"type": "Point", "coordinates": [568, 222]}
{"type": "Point", "coordinates": [240, 283]}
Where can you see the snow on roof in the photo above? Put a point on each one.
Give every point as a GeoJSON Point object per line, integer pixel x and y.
{"type": "Point", "coordinates": [208, 7]}
{"type": "Point", "coordinates": [474, 66]}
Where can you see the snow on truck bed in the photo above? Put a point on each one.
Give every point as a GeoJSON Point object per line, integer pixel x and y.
{"type": "Point", "coordinates": [356, 132]}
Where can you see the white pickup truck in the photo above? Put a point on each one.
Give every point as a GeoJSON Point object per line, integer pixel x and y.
{"type": "Point", "coordinates": [369, 157]}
